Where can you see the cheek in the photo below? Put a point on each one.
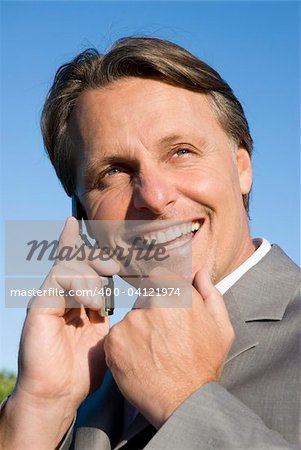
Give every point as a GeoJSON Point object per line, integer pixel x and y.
{"type": "Point", "coordinates": [108, 206]}
{"type": "Point", "coordinates": [207, 185]}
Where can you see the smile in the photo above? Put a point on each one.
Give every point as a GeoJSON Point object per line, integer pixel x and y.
{"type": "Point", "coordinates": [174, 236]}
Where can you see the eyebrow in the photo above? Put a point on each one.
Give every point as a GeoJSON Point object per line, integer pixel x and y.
{"type": "Point", "coordinates": [180, 139]}
{"type": "Point", "coordinates": [167, 140]}
{"type": "Point", "coordinates": [91, 168]}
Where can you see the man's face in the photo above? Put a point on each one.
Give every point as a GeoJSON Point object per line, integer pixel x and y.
{"type": "Point", "coordinates": [153, 151]}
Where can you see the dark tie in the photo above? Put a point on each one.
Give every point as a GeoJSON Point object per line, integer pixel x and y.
{"type": "Point", "coordinates": [139, 441]}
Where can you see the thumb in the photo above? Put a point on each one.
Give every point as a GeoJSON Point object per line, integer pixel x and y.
{"type": "Point", "coordinates": [213, 300]}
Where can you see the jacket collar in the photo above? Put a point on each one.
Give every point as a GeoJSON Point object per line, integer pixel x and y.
{"type": "Point", "coordinates": [262, 293]}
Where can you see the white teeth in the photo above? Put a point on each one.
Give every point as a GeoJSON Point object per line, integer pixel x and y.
{"type": "Point", "coordinates": [169, 235]}
{"type": "Point", "coordinates": [187, 228]}
{"type": "Point", "coordinates": [195, 226]}
{"type": "Point", "coordinates": [161, 237]}
{"type": "Point", "coordinates": [172, 233]}
{"type": "Point", "coordinates": [152, 238]}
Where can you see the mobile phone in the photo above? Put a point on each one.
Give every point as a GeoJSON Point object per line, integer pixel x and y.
{"type": "Point", "coordinates": [79, 213]}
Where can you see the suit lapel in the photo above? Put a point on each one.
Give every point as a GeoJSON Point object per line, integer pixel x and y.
{"type": "Point", "coordinates": [264, 292]}
{"type": "Point", "coordinates": [244, 340]}
{"type": "Point", "coordinates": [259, 295]}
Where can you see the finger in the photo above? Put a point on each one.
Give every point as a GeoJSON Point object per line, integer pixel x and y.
{"type": "Point", "coordinates": [95, 317]}
{"type": "Point", "coordinates": [77, 281]}
{"type": "Point", "coordinates": [73, 251]}
{"type": "Point", "coordinates": [82, 314]}
{"type": "Point", "coordinates": [69, 234]}
{"type": "Point", "coordinates": [102, 265]}
{"type": "Point", "coordinates": [65, 288]}
{"type": "Point", "coordinates": [83, 288]}
{"type": "Point", "coordinates": [164, 289]}
{"type": "Point", "coordinates": [213, 300]}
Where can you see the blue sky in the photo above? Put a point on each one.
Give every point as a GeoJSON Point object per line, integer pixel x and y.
{"type": "Point", "coordinates": [254, 45]}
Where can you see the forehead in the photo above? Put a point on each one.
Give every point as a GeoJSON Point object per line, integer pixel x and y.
{"type": "Point", "coordinates": [143, 110]}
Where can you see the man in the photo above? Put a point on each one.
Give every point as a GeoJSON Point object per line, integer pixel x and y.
{"type": "Point", "coordinates": [149, 132]}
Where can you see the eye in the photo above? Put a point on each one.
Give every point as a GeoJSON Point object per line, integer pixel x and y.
{"type": "Point", "coordinates": [113, 171]}
{"type": "Point", "coordinates": [182, 151]}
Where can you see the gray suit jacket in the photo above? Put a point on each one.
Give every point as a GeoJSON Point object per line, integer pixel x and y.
{"type": "Point", "coordinates": [256, 404]}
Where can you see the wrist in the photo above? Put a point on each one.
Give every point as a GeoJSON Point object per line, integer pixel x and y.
{"type": "Point", "coordinates": [28, 422]}
{"type": "Point", "coordinates": [174, 399]}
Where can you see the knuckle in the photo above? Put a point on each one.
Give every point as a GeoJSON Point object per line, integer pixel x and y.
{"type": "Point", "coordinates": [231, 330]}
{"type": "Point", "coordinates": [108, 359]}
{"type": "Point", "coordinates": [231, 334]}
{"type": "Point", "coordinates": [55, 271]}
{"type": "Point", "coordinates": [106, 346]}
{"type": "Point", "coordinates": [114, 335]}
{"type": "Point", "coordinates": [133, 316]}
{"type": "Point", "coordinates": [111, 347]}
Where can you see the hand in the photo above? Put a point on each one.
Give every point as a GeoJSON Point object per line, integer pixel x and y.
{"type": "Point", "coordinates": [160, 356]}
{"type": "Point", "coordinates": [61, 356]}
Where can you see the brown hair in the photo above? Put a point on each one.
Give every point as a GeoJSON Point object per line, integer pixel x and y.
{"type": "Point", "coordinates": [133, 57]}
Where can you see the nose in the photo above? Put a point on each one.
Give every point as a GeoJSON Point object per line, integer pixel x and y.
{"type": "Point", "coordinates": [154, 192]}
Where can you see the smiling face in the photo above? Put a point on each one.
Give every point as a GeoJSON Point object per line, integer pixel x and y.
{"type": "Point", "coordinates": [151, 151]}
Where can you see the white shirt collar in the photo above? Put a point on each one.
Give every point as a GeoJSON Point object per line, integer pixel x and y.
{"type": "Point", "coordinates": [262, 248]}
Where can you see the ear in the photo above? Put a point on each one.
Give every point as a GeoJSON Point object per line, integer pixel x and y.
{"type": "Point", "coordinates": [244, 167]}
